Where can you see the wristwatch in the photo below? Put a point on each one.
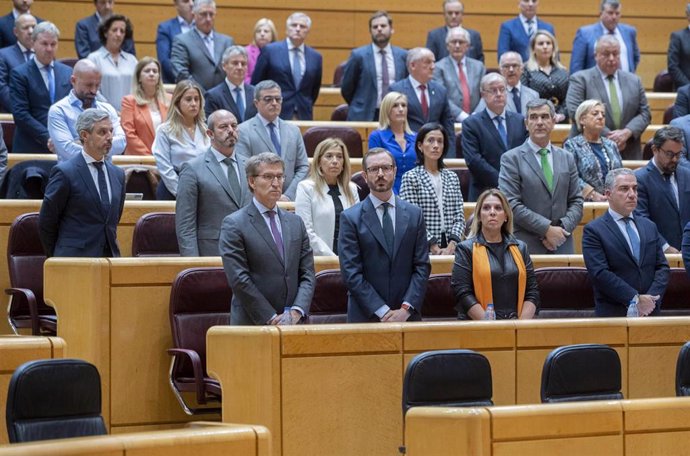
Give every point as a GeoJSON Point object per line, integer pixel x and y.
{"type": "Point", "coordinates": [407, 307]}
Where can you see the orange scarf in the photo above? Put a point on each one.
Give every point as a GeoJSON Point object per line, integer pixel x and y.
{"type": "Point", "coordinates": [481, 275]}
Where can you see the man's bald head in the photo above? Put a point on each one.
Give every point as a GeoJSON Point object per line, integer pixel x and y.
{"type": "Point", "coordinates": [24, 29]}
{"type": "Point", "coordinates": [86, 80]}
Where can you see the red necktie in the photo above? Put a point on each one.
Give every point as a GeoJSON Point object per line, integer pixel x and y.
{"type": "Point", "coordinates": [465, 89]}
{"type": "Point", "coordinates": [425, 104]}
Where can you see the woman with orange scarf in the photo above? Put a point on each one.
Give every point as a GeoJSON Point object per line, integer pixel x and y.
{"type": "Point", "coordinates": [492, 266]}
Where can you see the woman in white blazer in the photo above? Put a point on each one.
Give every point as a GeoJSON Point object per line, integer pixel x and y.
{"type": "Point", "coordinates": [324, 194]}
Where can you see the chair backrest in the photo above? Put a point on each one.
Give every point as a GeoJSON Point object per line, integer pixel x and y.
{"type": "Point", "coordinates": [340, 112]}
{"type": "Point", "coordinates": [585, 372]}
{"type": "Point", "coordinates": [154, 235]}
{"type": "Point", "coordinates": [7, 133]}
{"type": "Point", "coordinates": [663, 82]}
{"type": "Point", "coordinates": [464, 177]}
{"type": "Point", "coordinates": [647, 153]}
{"type": "Point", "coordinates": [142, 179]}
{"type": "Point", "coordinates": [329, 303]}
{"type": "Point", "coordinates": [338, 74]}
{"type": "Point", "coordinates": [27, 179]}
{"type": "Point", "coordinates": [565, 292]}
{"type": "Point", "coordinates": [683, 371]}
{"type": "Point", "coordinates": [668, 114]}
{"type": "Point", "coordinates": [450, 378]}
{"type": "Point", "coordinates": [70, 62]}
{"type": "Point", "coordinates": [458, 146]}
{"type": "Point", "coordinates": [439, 300]}
{"type": "Point", "coordinates": [351, 137]}
{"type": "Point", "coordinates": [54, 399]}
{"type": "Point", "coordinates": [199, 298]}
{"type": "Point", "coordinates": [361, 183]}
{"type": "Point", "coordinates": [675, 300]}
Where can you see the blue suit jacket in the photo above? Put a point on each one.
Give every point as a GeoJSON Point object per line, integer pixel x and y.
{"type": "Point", "coordinates": [373, 275]}
{"type": "Point", "coordinates": [359, 81]}
{"type": "Point", "coordinates": [512, 37]}
{"type": "Point", "coordinates": [274, 64]}
{"type": "Point", "coordinates": [220, 97]}
{"type": "Point", "coordinates": [7, 37]}
{"type": "Point", "coordinates": [436, 43]}
{"type": "Point", "coordinates": [167, 30]}
{"type": "Point", "coordinates": [73, 222]}
{"type": "Point", "coordinates": [482, 148]}
{"type": "Point", "coordinates": [616, 275]}
{"type": "Point", "coordinates": [686, 248]}
{"type": "Point", "coordinates": [86, 38]}
{"type": "Point", "coordinates": [439, 109]}
{"type": "Point", "coordinates": [656, 201]}
{"type": "Point", "coordinates": [30, 103]}
{"type": "Point", "coordinates": [10, 57]}
{"type": "Point", "coordinates": [582, 57]}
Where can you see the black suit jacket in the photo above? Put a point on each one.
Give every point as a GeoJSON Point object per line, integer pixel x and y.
{"type": "Point", "coordinates": [678, 57]}
{"type": "Point", "coordinates": [220, 97]}
{"type": "Point", "coordinates": [10, 57]}
{"type": "Point", "coordinates": [7, 37]}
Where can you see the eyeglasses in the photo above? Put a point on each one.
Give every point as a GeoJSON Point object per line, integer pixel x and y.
{"type": "Point", "coordinates": [498, 91]}
{"type": "Point", "coordinates": [511, 66]}
{"type": "Point", "coordinates": [269, 178]}
{"type": "Point", "coordinates": [385, 168]}
{"type": "Point", "coordinates": [671, 155]}
{"type": "Point", "coordinates": [269, 100]}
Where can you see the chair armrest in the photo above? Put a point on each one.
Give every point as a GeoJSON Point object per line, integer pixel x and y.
{"type": "Point", "coordinates": [30, 298]}
{"type": "Point", "coordinates": [196, 368]}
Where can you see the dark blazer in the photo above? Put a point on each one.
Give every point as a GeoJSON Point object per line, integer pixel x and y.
{"type": "Point", "coordinates": [436, 43]}
{"type": "Point", "coordinates": [439, 109]}
{"type": "Point", "coordinates": [86, 38]}
{"type": "Point", "coordinates": [512, 37]}
{"type": "Point", "coordinates": [678, 57]}
{"type": "Point", "coordinates": [167, 31]}
{"type": "Point", "coordinates": [615, 273]}
{"type": "Point", "coordinates": [191, 60]}
{"type": "Point", "coordinates": [373, 275]}
{"type": "Point", "coordinates": [274, 64]}
{"type": "Point", "coordinates": [220, 97]}
{"type": "Point", "coordinates": [30, 102]}
{"type": "Point", "coordinates": [7, 37]}
{"type": "Point", "coordinates": [681, 106]}
{"type": "Point", "coordinates": [358, 86]}
{"type": "Point", "coordinates": [73, 222]}
{"type": "Point", "coordinates": [262, 282]}
{"type": "Point", "coordinates": [10, 57]}
{"type": "Point", "coordinates": [656, 202]}
{"type": "Point", "coordinates": [482, 147]}
{"type": "Point", "coordinates": [586, 37]}
{"type": "Point", "coordinates": [686, 248]}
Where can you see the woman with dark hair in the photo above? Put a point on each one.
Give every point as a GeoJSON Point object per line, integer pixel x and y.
{"type": "Point", "coordinates": [116, 66]}
{"type": "Point", "coordinates": [436, 191]}
{"type": "Point", "coordinates": [492, 266]}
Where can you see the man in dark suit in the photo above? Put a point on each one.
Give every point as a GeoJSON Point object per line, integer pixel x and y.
{"type": "Point", "coordinates": [14, 55]}
{"type": "Point", "coordinates": [197, 54]}
{"type": "Point", "coordinates": [365, 79]}
{"type": "Point", "coordinates": [623, 253]}
{"type": "Point", "coordinates": [34, 86]}
{"type": "Point", "coordinates": [515, 33]}
{"type": "Point", "coordinates": [7, 22]}
{"type": "Point", "coordinates": [681, 106]}
{"type": "Point", "coordinates": [664, 188]}
{"type": "Point", "coordinates": [266, 253]}
{"type": "Point", "coordinates": [167, 31]}
{"type": "Point", "coordinates": [678, 56]}
{"type": "Point", "coordinates": [296, 67]}
{"type": "Point", "coordinates": [453, 10]}
{"type": "Point", "coordinates": [85, 196]}
{"type": "Point", "coordinates": [627, 111]}
{"type": "Point", "coordinates": [485, 139]}
{"type": "Point", "coordinates": [233, 94]}
{"type": "Point", "coordinates": [427, 100]}
{"type": "Point", "coordinates": [86, 39]}
{"type": "Point", "coordinates": [211, 186]}
{"type": "Point", "coordinates": [685, 248]}
{"type": "Point", "coordinates": [518, 94]}
{"type": "Point", "coordinates": [384, 254]}
{"type": "Point", "coordinates": [586, 37]}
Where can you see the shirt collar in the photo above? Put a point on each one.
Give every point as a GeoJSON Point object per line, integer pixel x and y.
{"type": "Point", "coordinates": [23, 49]}
{"type": "Point", "coordinates": [265, 122]}
{"type": "Point", "coordinates": [524, 19]}
{"type": "Point", "coordinates": [220, 157]}
{"type": "Point", "coordinates": [232, 86]}
{"type": "Point", "coordinates": [604, 76]}
{"type": "Point", "coordinates": [416, 84]}
{"type": "Point", "coordinates": [203, 35]}
{"type": "Point", "coordinates": [493, 115]}
{"type": "Point", "coordinates": [377, 202]}
{"type": "Point", "coordinates": [40, 65]}
{"type": "Point", "coordinates": [605, 31]}
{"type": "Point", "coordinates": [263, 209]}
{"type": "Point", "coordinates": [292, 46]}
{"type": "Point", "coordinates": [617, 217]}
{"type": "Point", "coordinates": [377, 49]}
{"type": "Point", "coordinates": [182, 22]}
{"type": "Point", "coordinates": [535, 148]}
{"type": "Point", "coordinates": [88, 158]}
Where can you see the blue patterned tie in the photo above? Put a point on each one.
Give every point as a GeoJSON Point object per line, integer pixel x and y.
{"type": "Point", "coordinates": [387, 224]}
{"type": "Point", "coordinates": [51, 83]}
{"type": "Point", "coordinates": [240, 103]}
{"type": "Point", "coordinates": [102, 186]}
{"type": "Point", "coordinates": [502, 131]}
{"type": "Point", "coordinates": [296, 68]}
{"type": "Point", "coordinates": [274, 137]}
{"type": "Point", "coordinates": [634, 238]}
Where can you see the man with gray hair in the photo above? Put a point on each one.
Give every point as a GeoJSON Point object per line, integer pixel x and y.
{"type": "Point", "coordinates": [542, 186]}
{"type": "Point", "coordinates": [85, 196]}
{"type": "Point", "coordinates": [8, 35]}
{"type": "Point", "coordinates": [14, 55]}
{"type": "Point", "coordinates": [197, 54]}
{"type": "Point", "coordinates": [453, 12]}
{"type": "Point", "coordinates": [517, 94]}
{"type": "Point", "coordinates": [34, 86]}
{"type": "Point", "coordinates": [583, 56]}
{"type": "Point", "coordinates": [233, 94]}
{"type": "Point", "coordinates": [678, 56]}
{"type": "Point", "coordinates": [623, 254]}
{"type": "Point", "coordinates": [296, 67]}
{"type": "Point", "coordinates": [266, 253]}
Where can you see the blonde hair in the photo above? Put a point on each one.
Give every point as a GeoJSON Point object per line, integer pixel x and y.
{"type": "Point", "coordinates": [384, 111]}
{"type": "Point", "coordinates": [264, 21]}
{"type": "Point", "coordinates": [476, 227]}
{"type": "Point", "coordinates": [584, 108]}
{"type": "Point", "coordinates": [344, 176]}
{"type": "Point", "coordinates": [174, 121]}
{"type": "Point", "coordinates": [532, 64]}
{"type": "Point", "coordinates": [138, 90]}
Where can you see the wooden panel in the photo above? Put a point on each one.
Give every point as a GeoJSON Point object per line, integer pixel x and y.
{"type": "Point", "coordinates": [601, 445]}
{"type": "Point", "coordinates": [355, 338]}
{"type": "Point", "coordinates": [461, 431]}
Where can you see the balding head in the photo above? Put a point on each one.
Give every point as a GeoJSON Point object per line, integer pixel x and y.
{"type": "Point", "coordinates": [86, 80]}
{"type": "Point", "coordinates": [24, 28]}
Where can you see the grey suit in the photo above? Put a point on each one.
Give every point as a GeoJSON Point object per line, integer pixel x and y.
{"type": "Point", "coordinates": [204, 198]}
{"type": "Point", "coordinates": [262, 282]}
{"type": "Point", "coordinates": [526, 95]}
{"type": "Point", "coordinates": [254, 139]}
{"type": "Point", "coordinates": [534, 207]}
{"type": "Point", "coordinates": [446, 73]}
{"type": "Point", "coordinates": [190, 58]}
{"type": "Point", "coordinates": [635, 114]}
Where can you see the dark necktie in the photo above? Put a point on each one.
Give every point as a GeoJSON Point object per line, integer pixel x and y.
{"type": "Point", "coordinates": [239, 101]}
{"type": "Point", "coordinates": [277, 238]}
{"type": "Point", "coordinates": [425, 104]}
{"type": "Point", "coordinates": [232, 177]}
{"type": "Point", "coordinates": [634, 238]}
{"type": "Point", "coordinates": [669, 184]}
{"type": "Point", "coordinates": [385, 77]}
{"type": "Point", "coordinates": [502, 131]}
{"type": "Point", "coordinates": [465, 89]}
{"type": "Point", "coordinates": [27, 56]}
{"type": "Point", "coordinates": [296, 68]}
{"type": "Point", "coordinates": [388, 233]}
{"type": "Point", "coordinates": [516, 100]}
{"type": "Point", "coordinates": [102, 186]}
{"type": "Point", "coordinates": [51, 82]}
{"type": "Point", "coordinates": [274, 137]}
{"type": "Point", "coordinates": [334, 191]}
{"type": "Point", "coordinates": [530, 27]}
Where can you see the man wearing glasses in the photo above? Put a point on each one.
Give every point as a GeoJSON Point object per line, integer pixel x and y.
{"type": "Point", "coordinates": [663, 192]}
{"type": "Point", "coordinates": [384, 254]}
{"type": "Point", "coordinates": [266, 131]}
{"type": "Point", "coordinates": [518, 94]}
{"type": "Point", "coordinates": [266, 253]}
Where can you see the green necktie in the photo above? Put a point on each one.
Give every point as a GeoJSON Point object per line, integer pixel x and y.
{"type": "Point", "coordinates": [546, 167]}
{"type": "Point", "coordinates": [615, 104]}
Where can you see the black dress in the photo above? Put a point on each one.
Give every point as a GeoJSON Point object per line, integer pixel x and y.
{"type": "Point", "coordinates": [552, 86]}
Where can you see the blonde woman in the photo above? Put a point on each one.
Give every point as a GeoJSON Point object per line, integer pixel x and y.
{"type": "Point", "coordinates": [264, 33]}
{"type": "Point", "coordinates": [324, 194]}
{"type": "Point", "coordinates": [181, 138]}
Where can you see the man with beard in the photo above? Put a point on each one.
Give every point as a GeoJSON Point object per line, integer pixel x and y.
{"type": "Point", "coordinates": [371, 69]}
{"type": "Point", "coordinates": [384, 254]}
{"type": "Point", "coordinates": [664, 188]}
{"type": "Point", "coordinates": [211, 186]}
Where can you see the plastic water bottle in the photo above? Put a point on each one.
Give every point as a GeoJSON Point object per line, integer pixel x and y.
{"type": "Point", "coordinates": [633, 311]}
{"type": "Point", "coordinates": [489, 314]}
{"type": "Point", "coordinates": [286, 319]}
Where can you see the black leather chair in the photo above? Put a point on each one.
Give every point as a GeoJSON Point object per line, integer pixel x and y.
{"type": "Point", "coordinates": [340, 112]}
{"type": "Point", "coordinates": [142, 179]}
{"type": "Point", "coordinates": [585, 372]}
{"type": "Point", "coordinates": [675, 300]}
{"type": "Point", "coordinates": [351, 137]}
{"type": "Point", "coordinates": [360, 181]}
{"type": "Point", "coordinates": [683, 371]}
{"type": "Point", "coordinates": [663, 82]}
{"type": "Point", "coordinates": [154, 235]}
{"type": "Point", "coordinates": [565, 292]}
{"type": "Point", "coordinates": [447, 378]}
{"type": "Point", "coordinates": [54, 399]}
{"type": "Point", "coordinates": [338, 74]}
{"type": "Point", "coordinates": [329, 303]}
{"type": "Point", "coordinates": [464, 178]}
{"type": "Point", "coordinates": [27, 179]}
{"type": "Point", "coordinates": [439, 300]}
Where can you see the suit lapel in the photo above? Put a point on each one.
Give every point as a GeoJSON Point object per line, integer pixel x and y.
{"type": "Point", "coordinates": [616, 233]}
{"type": "Point", "coordinates": [491, 128]}
{"type": "Point", "coordinates": [229, 99]}
{"type": "Point", "coordinates": [261, 133]}
{"type": "Point", "coordinates": [371, 219]}
{"type": "Point", "coordinates": [145, 114]}
{"type": "Point", "coordinates": [285, 225]}
{"type": "Point", "coordinates": [402, 221]}
{"type": "Point", "coordinates": [201, 45]}
{"type": "Point", "coordinates": [115, 190]}
{"type": "Point", "coordinates": [661, 183]}
{"type": "Point", "coordinates": [559, 163]}
{"type": "Point", "coordinates": [38, 79]}
{"type": "Point", "coordinates": [531, 161]}
{"type": "Point", "coordinates": [215, 169]}
{"type": "Point", "coordinates": [83, 170]}
{"type": "Point", "coordinates": [259, 224]}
